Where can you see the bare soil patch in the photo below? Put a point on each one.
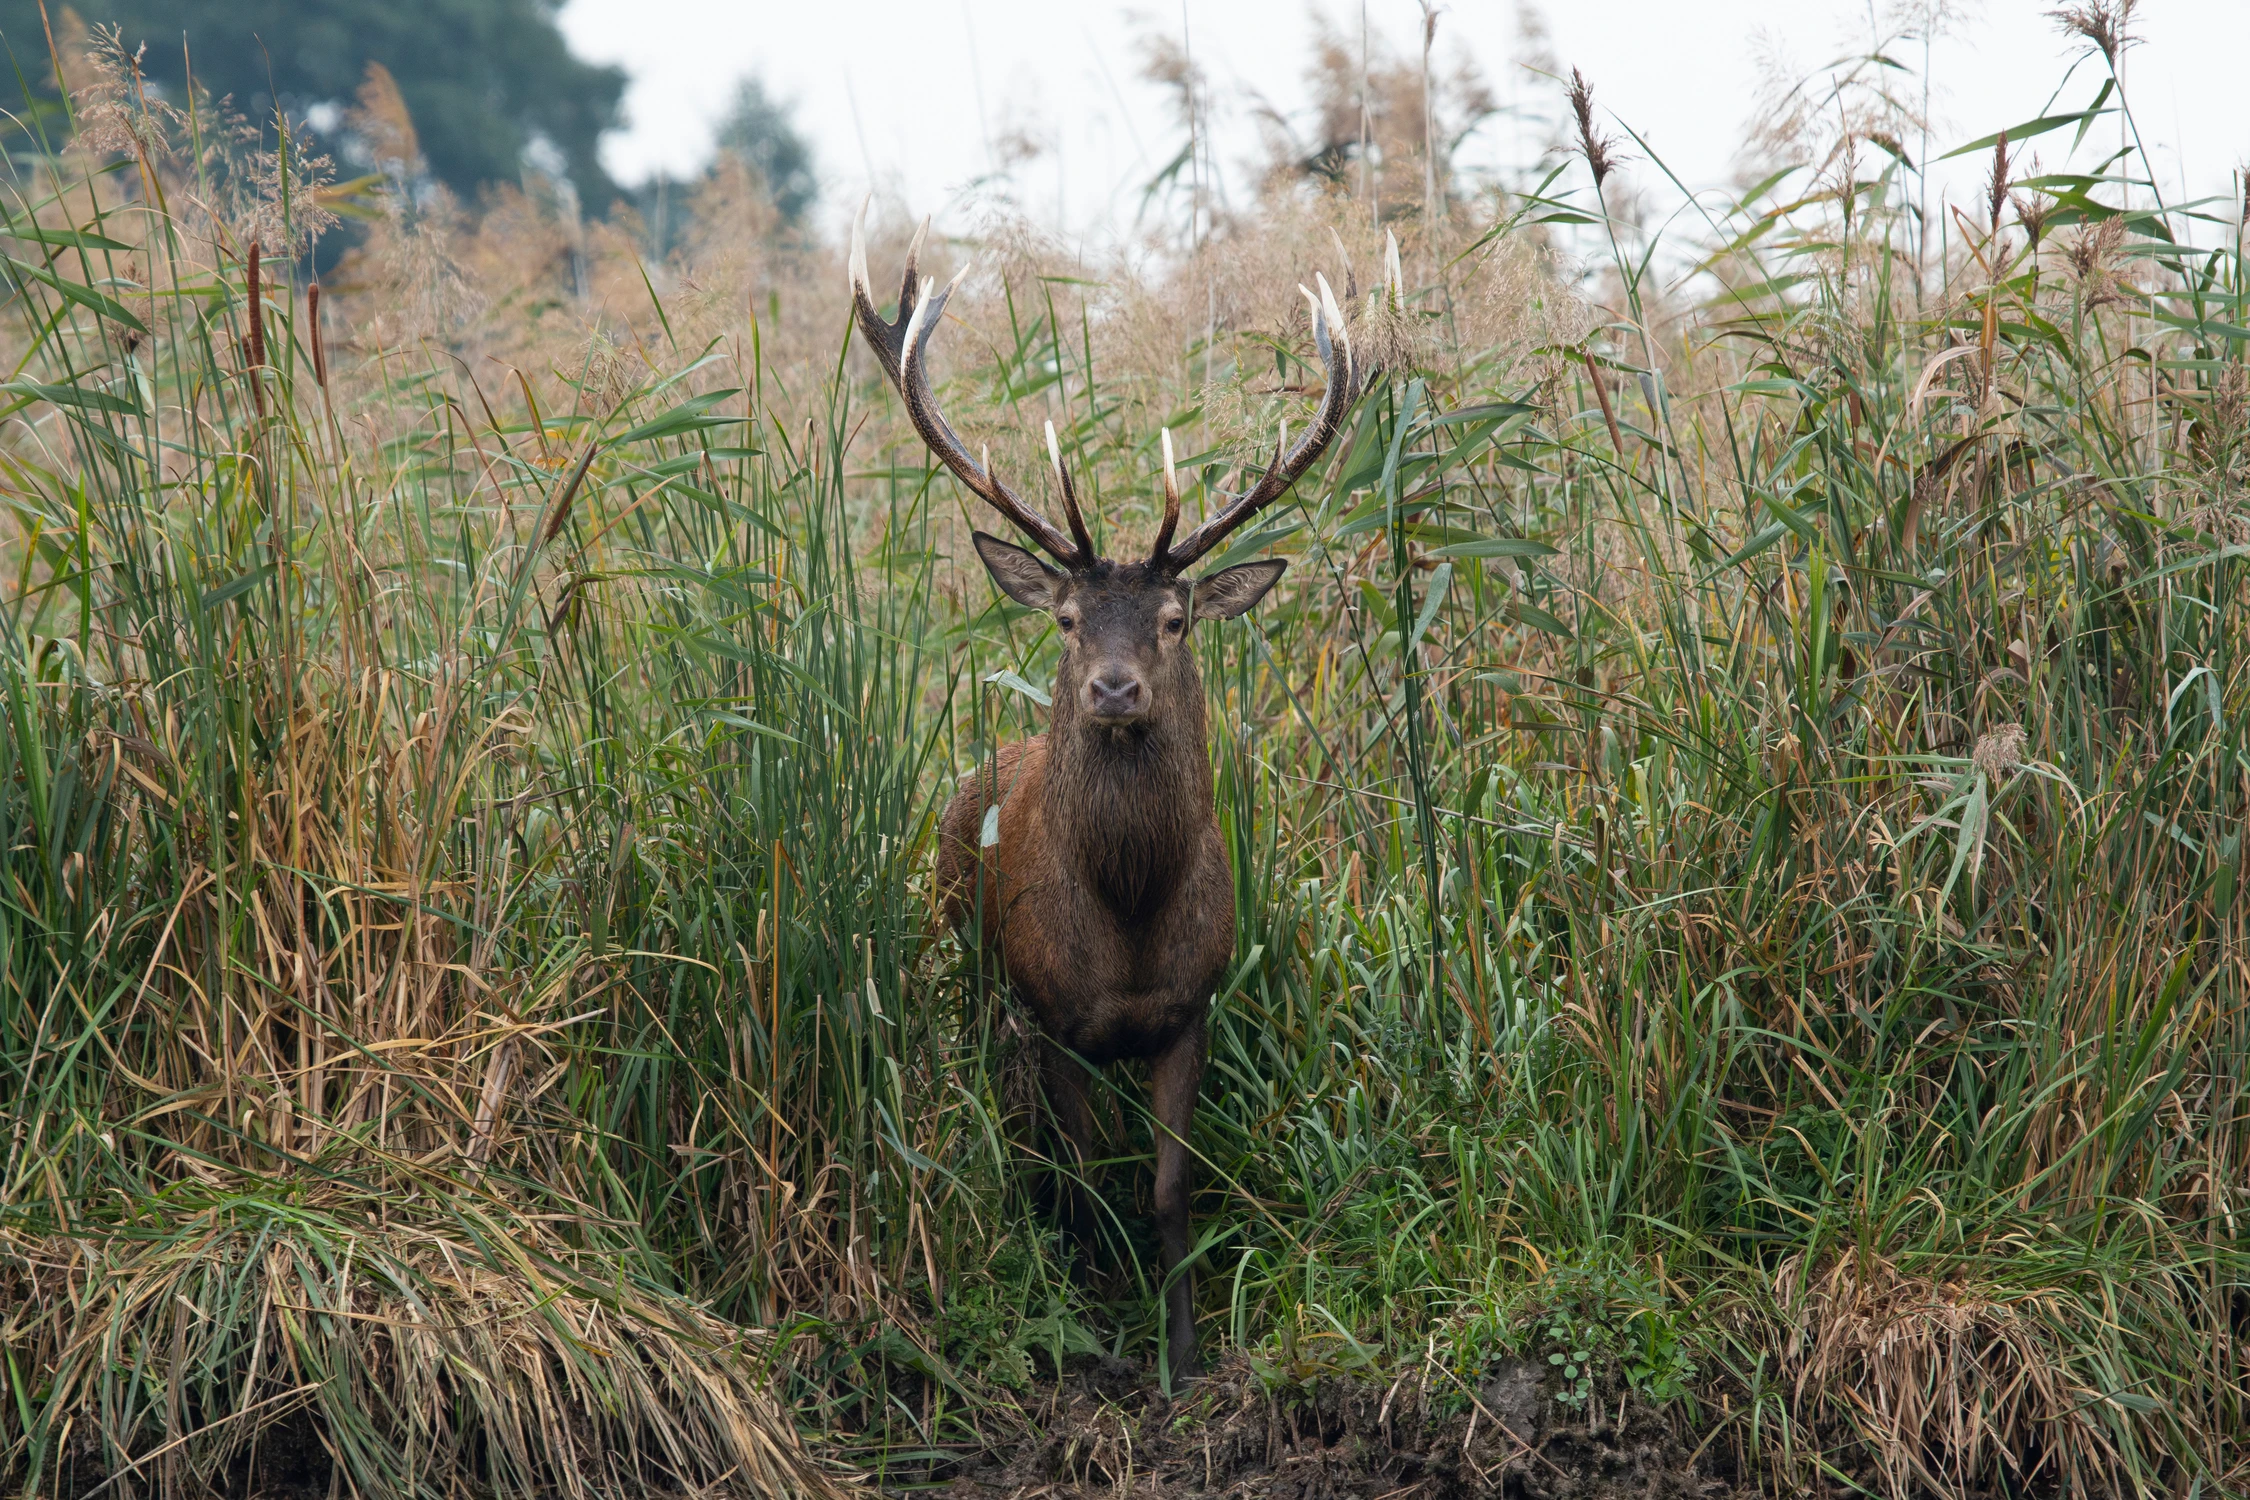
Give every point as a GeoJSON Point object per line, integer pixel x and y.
{"type": "Point", "coordinates": [1106, 1429]}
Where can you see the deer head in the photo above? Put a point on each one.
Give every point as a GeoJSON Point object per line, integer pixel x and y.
{"type": "Point", "coordinates": [1124, 625]}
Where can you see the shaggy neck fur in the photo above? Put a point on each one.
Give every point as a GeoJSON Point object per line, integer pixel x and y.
{"type": "Point", "coordinates": [1130, 804]}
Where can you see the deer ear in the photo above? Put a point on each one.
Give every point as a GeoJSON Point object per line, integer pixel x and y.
{"type": "Point", "coordinates": [1021, 576]}
{"type": "Point", "coordinates": [1231, 591]}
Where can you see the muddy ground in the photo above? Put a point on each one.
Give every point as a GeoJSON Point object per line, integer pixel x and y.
{"type": "Point", "coordinates": [1106, 1429]}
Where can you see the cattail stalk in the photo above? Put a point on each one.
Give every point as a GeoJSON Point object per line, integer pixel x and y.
{"type": "Point", "coordinates": [257, 333]}
{"type": "Point", "coordinates": [319, 345]}
{"type": "Point", "coordinates": [560, 515]}
{"type": "Point", "coordinates": [1601, 394]}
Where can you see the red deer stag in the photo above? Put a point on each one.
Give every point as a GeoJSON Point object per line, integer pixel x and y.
{"type": "Point", "coordinates": [1102, 882]}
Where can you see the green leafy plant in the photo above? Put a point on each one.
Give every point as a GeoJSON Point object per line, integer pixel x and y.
{"type": "Point", "coordinates": [1735, 812]}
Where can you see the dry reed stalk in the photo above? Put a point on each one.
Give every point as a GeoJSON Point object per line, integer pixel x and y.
{"type": "Point", "coordinates": [308, 1006]}
{"type": "Point", "coordinates": [1996, 189]}
{"type": "Point", "coordinates": [1598, 149]}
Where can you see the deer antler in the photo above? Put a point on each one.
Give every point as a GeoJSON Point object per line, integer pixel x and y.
{"type": "Point", "coordinates": [1163, 545]}
{"type": "Point", "coordinates": [1289, 464]}
{"type": "Point", "coordinates": [903, 349]}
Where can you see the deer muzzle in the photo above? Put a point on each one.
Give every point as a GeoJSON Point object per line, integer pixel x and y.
{"type": "Point", "coordinates": [1116, 697]}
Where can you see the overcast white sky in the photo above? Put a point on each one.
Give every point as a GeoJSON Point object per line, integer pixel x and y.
{"type": "Point", "coordinates": [912, 97]}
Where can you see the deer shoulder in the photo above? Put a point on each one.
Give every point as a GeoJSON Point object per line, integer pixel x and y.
{"type": "Point", "coordinates": [1004, 790]}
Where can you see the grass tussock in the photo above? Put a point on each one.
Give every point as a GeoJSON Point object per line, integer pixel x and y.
{"type": "Point", "coordinates": [217, 1325]}
{"type": "Point", "coordinates": [1947, 1383]}
{"type": "Point", "coordinates": [1736, 809]}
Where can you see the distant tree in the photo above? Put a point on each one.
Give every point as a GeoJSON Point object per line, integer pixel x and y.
{"type": "Point", "coordinates": [758, 140]}
{"type": "Point", "coordinates": [484, 80]}
{"type": "Point", "coordinates": [759, 129]}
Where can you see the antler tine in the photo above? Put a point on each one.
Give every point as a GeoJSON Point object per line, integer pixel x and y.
{"type": "Point", "coordinates": [910, 279]}
{"type": "Point", "coordinates": [1289, 465]}
{"type": "Point", "coordinates": [1078, 530]}
{"type": "Point", "coordinates": [1351, 276]}
{"type": "Point", "coordinates": [886, 339]}
{"type": "Point", "coordinates": [1159, 555]}
{"type": "Point", "coordinates": [902, 348]}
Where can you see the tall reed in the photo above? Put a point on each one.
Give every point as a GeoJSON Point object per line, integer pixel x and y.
{"type": "Point", "coordinates": [1736, 820]}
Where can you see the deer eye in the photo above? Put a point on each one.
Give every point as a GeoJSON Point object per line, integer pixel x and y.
{"type": "Point", "coordinates": [1175, 625]}
{"type": "Point", "coordinates": [1066, 621]}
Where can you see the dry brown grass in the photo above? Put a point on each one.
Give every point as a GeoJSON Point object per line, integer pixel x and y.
{"type": "Point", "coordinates": [188, 1340]}
{"type": "Point", "coordinates": [473, 902]}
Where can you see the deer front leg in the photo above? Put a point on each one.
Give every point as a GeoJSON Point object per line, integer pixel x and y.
{"type": "Point", "coordinates": [1176, 1078]}
{"type": "Point", "coordinates": [1071, 1116]}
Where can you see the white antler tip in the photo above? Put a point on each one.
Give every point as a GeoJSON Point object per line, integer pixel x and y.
{"type": "Point", "coordinates": [1054, 449]}
{"type": "Point", "coordinates": [857, 266]}
{"type": "Point", "coordinates": [914, 326]}
{"type": "Point", "coordinates": [1335, 316]}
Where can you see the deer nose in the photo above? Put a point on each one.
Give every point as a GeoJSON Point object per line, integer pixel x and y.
{"type": "Point", "coordinates": [1115, 695]}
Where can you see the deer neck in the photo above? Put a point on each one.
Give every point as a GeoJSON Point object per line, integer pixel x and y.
{"type": "Point", "coordinates": [1129, 806]}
